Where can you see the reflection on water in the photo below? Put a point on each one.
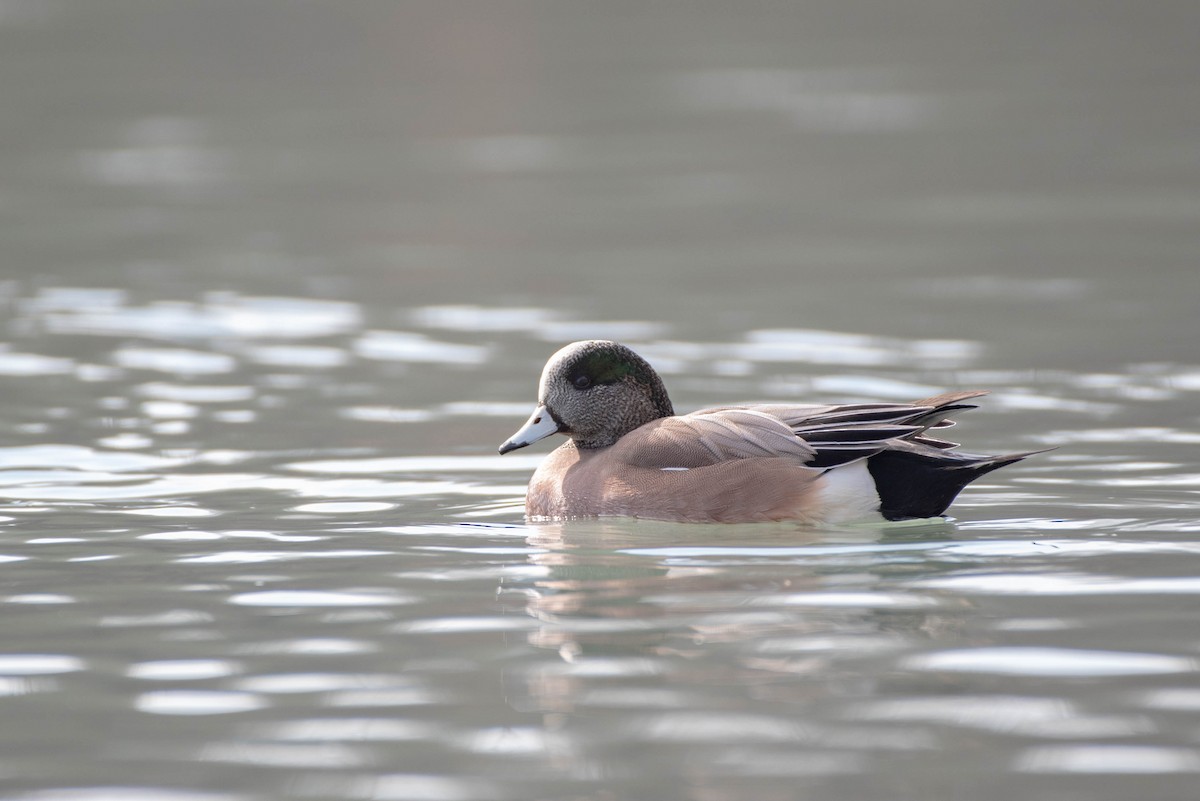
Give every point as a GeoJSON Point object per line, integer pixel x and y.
{"type": "Point", "coordinates": [286, 518]}
{"type": "Point", "coordinates": [277, 278]}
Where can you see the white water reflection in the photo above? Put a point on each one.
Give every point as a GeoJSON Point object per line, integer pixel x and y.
{"type": "Point", "coordinates": [195, 393]}
{"type": "Point", "coordinates": [125, 793]}
{"type": "Point", "coordinates": [179, 361]}
{"type": "Point", "coordinates": [366, 729]}
{"type": "Point", "coordinates": [1109, 759]}
{"type": "Point", "coordinates": [387, 414]}
{"type": "Point", "coordinates": [156, 165]}
{"type": "Point", "coordinates": [307, 356]}
{"type": "Point", "coordinates": [844, 101]}
{"type": "Point", "coordinates": [261, 557]}
{"type": "Point", "coordinates": [404, 346]}
{"type": "Point", "coordinates": [830, 347]}
{"type": "Point", "coordinates": [81, 458]}
{"type": "Point", "coordinates": [39, 598]}
{"type": "Point", "coordinates": [185, 512]}
{"type": "Point", "coordinates": [30, 364]}
{"type": "Point", "coordinates": [1066, 584]}
{"type": "Point", "coordinates": [93, 486]}
{"type": "Point", "coordinates": [219, 314]}
{"type": "Point", "coordinates": [38, 664]}
{"type": "Point", "coordinates": [343, 507]}
{"type": "Point", "coordinates": [1030, 661]}
{"type": "Point", "coordinates": [318, 598]}
{"type": "Point", "coordinates": [183, 669]}
{"type": "Point", "coordinates": [1010, 715]}
{"type": "Point", "coordinates": [511, 154]}
{"type": "Point", "coordinates": [481, 319]}
{"type": "Point", "coordinates": [197, 702]}
{"type": "Point", "coordinates": [295, 756]}
{"type": "Point", "coordinates": [409, 464]}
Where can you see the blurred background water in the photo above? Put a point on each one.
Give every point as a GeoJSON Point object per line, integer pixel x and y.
{"type": "Point", "coordinates": [276, 278]}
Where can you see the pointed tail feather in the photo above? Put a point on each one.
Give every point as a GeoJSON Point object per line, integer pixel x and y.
{"type": "Point", "coordinates": [919, 481]}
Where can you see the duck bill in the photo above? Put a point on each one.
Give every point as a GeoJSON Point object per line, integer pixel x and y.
{"type": "Point", "coordinates": [540, 425]}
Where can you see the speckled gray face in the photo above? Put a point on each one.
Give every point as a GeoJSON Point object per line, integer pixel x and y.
{"type": "Point", "coordinates": [593, 391]}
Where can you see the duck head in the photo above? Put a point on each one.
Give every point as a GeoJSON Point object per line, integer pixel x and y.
{"type": "Point", "coordinates": [595, 392]}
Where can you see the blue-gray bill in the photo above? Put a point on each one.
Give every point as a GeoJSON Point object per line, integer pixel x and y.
{"type": "Point", "coordinates": [540, 425]}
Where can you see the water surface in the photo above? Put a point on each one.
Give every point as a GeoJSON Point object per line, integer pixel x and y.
{"type": "Point", "coordinates": [277, 279]}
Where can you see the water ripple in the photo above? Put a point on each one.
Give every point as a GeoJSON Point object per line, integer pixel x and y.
{"type": "Point", "coordinates": [30, 364]}
{"type": "Point", "coordinates": [260, 557]}
{"type": "Point", "coordinates": [1108, 759]}
{"type": "Point", "coordinates": [321, 598]}
{"type": "Point", "coordinates": [183, 669]}
{"type": "Point", "coordinates": [177, 361]}
{"type": "Point", "coordinates": [220, 314]}
{"type": "Point", "coordinates": [126, 793]}
{"type": "Point", "coordinates": [1031, 661]}
{"type": "Point", "coordinates": [1064, 583]}
{"type": "Point", "coordinates": [311, 756]}
{"type": "Point", "coordinates": [404, 346]}
{"type": "Point", "coordinates": [693, 727]}
{"type": "Point", "coordinates": [39, 664]}
{"type": "Point", "coordinates": [197, 702]}
{"type": "Point", "coordinates": [367, 730]}
{"type": "Point", "coordinates": [1005, 714]}
{"type": "Point", "coordinates": [821, 100]}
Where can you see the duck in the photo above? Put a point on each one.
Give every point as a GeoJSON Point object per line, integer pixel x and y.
{"type": "Point", "coordinates": [628, 454]}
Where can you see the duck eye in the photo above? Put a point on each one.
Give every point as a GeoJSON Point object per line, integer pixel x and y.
{"type": "Point", "coordinates": [581, 382]}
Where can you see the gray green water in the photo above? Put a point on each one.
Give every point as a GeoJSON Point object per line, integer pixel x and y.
{"type": "Point", "coordinates": [276, 278]}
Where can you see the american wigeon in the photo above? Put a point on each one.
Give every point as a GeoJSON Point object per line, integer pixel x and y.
{"type": "Point", "coordinates": [629, 454]}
